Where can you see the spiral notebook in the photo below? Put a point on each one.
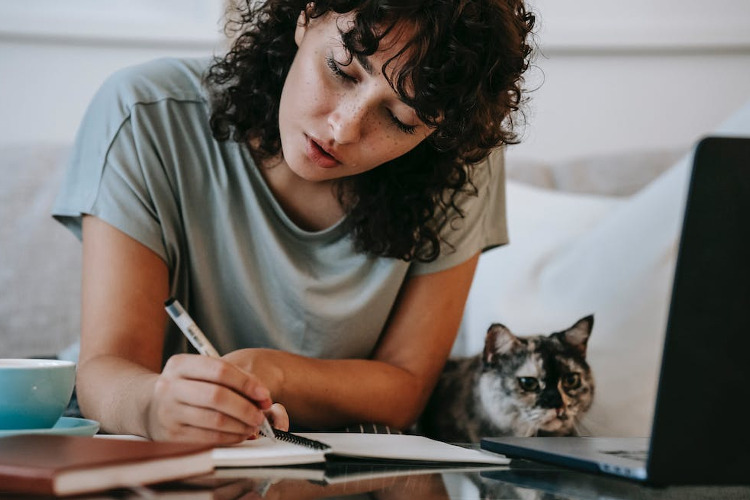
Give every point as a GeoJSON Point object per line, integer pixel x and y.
{"type": "Point", "coordinates": [288, 449]}
{"type": "Point", "coordinates": [321, 447]}
{"type": "Point", "coordinates": [313, 447]}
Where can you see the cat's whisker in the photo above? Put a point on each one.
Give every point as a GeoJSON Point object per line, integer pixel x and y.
{"type": "Point", "coordinates": [533, 428]}
{"type": "Point", "coordinates": [597, 420]}
{"type": "Point", "coordinates": [581, 429]}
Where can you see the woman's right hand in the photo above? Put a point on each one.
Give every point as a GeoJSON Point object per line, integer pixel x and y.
{"type": "Point", "coordinates": [204, 399]}
{"type": "Point", "coordinates": [120, 380]}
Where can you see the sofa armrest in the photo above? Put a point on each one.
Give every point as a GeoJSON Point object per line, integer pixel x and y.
{"type": "Point", "coordinates": [41, 260]}
{"type": "Point", "coordinates": [616, 174]}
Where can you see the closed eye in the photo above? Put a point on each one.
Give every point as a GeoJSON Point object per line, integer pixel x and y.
{"type": "Point", "coordinates": [337, 71]}
{"type": "Point", "coordinates": [342, 75]}
{"type": "Point", "coordinates": [403, 127]}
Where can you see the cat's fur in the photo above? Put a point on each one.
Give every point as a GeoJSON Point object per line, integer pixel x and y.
{"type": "Point", "coordinates": [519, 386]}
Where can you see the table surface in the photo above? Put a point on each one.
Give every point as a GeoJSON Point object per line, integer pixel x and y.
{"type": "Point", "coordinates": [522, 480]}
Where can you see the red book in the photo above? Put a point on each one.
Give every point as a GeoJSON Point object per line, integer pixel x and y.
{"type": "Point", "coordinates": [71, 465]}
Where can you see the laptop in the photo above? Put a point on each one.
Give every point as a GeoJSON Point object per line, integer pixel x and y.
{"type": "Point", "coordinates": [700, 432]}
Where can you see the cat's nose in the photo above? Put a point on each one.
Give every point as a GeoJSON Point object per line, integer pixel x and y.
{"type": "Point", "coordinates": [551, 398]}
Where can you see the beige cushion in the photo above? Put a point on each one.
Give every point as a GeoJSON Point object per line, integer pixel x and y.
{"type": "Point", "coordinates": [39, 260]}
{"type": "Point", "coordinates": [616, 174]}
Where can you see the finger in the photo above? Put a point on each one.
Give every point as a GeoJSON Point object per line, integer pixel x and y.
{"type": "Point", "coordinates": [220, 400]}
{"type": "Point", "coordinates": [278, 416]}
{"type": "Point", "coordinates": [212, 420]}
{"type": "Point", "coordinates": [173, 415]}
{"type": "Point", "coordinates": [218, 371]}
{"type": "Point", "coordinates": [188, 433]}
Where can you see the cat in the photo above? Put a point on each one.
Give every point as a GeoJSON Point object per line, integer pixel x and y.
{"type": "Point", "coordinates": [519, 386]}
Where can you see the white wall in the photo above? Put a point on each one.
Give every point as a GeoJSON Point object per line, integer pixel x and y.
{"type": "Point", "coordinates": [613, 76]}
{"type": "Point", "coordinates": [617, 101]}
{"type": "Point", "coordinates": [617, 75]}
{"type": "Point", "coordinates": [54, 55]}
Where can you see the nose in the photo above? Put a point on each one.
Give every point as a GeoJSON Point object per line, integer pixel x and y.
{"type": "Point", "coordinates": [550, 398]}
{"type": "Point", "coordinates": [346, 122]}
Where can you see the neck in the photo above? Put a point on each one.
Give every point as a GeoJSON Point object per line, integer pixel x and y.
{"type": "Point", "coordinates": [313, 206]}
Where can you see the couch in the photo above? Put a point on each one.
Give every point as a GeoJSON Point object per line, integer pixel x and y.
{"type": "Point", "coordinates": [596, 235]}
{"type": "Point", "coordinates": [40, 260]}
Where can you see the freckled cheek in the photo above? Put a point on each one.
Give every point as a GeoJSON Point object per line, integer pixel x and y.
{"type": "Point", "coordinates": [310, 92]}
{"type": "Point", "coordinates": [388, 143]}
{"type": "Point", "coordinates": [384, 148]}
{"type": "Point", "coordinates": [312, 106]}
{"type": "Point", "coordinates": [395, 146]}
{"type": "Point", "coordinates": [311, 102]}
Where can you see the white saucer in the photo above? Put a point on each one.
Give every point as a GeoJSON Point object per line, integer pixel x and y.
{"type": "Point", "coordinates": [65, 425]}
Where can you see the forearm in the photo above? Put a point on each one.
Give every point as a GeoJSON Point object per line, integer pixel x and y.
{"type": "Point", "coordinates": [393, 386]}
{"type": "Point", "coordinates": [116, 393]}
{"type": "Point", "coordinates": [323, 394]}
{"type": "Point", "coordinates": [334, 393]}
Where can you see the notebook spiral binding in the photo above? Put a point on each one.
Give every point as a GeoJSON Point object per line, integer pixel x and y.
{"type": "Point", "coordinates": [300, 440]}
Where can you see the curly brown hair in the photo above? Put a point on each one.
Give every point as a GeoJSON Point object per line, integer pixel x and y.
{"type": "Point", "coordinates": [461, 70]}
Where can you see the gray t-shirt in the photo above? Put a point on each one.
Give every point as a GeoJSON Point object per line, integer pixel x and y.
{"type": "Point", "coordinates": [146, 163]}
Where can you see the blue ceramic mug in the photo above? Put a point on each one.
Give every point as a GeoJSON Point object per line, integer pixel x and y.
{"type": "Point", "coordinates": [34, 392]}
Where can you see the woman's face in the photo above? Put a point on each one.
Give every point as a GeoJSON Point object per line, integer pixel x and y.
{"type": "Point", "coordinates": [338, 120]}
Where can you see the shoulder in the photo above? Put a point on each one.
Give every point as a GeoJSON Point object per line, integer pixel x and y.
{"type": "Point", "coordinates": [489, 173]}
{"type": "Point", "coordinates": [487, 184]}
{"type": "Point", "coordinates": [154, 81]}
{"type": "Point", "coordinates": [476, 220]}
{"type": "Point", "coordinates": [153, 99]}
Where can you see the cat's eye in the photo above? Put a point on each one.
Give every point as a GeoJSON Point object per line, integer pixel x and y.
{"type": "Point", "coordinates": [528, 384]}
{"type": "Point", "coordinates": [571, 381]}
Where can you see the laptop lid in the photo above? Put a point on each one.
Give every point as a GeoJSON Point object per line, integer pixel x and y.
{"type": "Point", "coordinates": [700, 427]}
{"type": "Point", "coordinates": [698, 432]}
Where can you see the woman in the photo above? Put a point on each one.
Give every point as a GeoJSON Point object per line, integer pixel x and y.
{"type": "Point", "coordinates": [317, 200]}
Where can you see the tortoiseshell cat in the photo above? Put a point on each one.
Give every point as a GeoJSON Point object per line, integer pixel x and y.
{"type": "Point", "coordinates": [519, 386]}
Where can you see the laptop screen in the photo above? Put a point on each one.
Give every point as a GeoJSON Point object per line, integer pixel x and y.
{"type": "Point", "coordinates": [705, 372]}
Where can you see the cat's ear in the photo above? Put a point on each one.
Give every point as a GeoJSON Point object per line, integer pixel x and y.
{"type": "Point", "coordinates": [577, 336]}
{"type": "Point", "coordinates": [498, 341]}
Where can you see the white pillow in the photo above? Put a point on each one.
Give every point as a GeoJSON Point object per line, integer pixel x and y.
{"type": "Point", "coordinates": [571, 255]}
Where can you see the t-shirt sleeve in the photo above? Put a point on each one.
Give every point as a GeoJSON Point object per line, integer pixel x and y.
{"type": "Point", "coordinates": [483, 225]}
{"type": "Point", "coordinates": [106, 175]}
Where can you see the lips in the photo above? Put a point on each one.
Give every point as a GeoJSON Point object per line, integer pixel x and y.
{"type": "Point", "coordinates": [319, 155]}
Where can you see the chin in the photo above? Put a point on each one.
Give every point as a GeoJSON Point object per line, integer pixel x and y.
{"type": "Point", "coordinates": [313, 173]}
{"type": "Point", "coordinates": [301, 166]}
{"type": "Point", "coordinates": [556, 428]}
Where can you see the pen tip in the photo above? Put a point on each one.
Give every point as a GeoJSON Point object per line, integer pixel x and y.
{"type": "Point", "coordinates": [168, 302]}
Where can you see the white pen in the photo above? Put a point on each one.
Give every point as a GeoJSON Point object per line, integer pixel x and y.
{"type": "Point", "coordinates": [202, 345]}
